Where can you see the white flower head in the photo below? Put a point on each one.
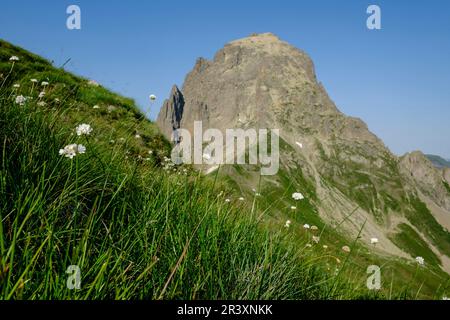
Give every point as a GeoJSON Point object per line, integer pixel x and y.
{"type": "Point", "coordinates": [96, 107]}
{"type": "Point", "coordinates": [14, 58]}
{"type": "Point", "coordinates": [346, 249]}
{"type": "Point", "coordinates": [152, 97]}
{"type": "Point", "coordinates": [72, 150]}
{"type": "Point", "coordinates": [297, 196]}
{"type": "Point", "coordinates": [287, 224]}
{"type": "Point", "coordinates": [325, 246]}
{"type": "Point", "coordinates": [16, 85]}
{"type": "Point", "coordinates": [20, 100]}
{"type": "Point", "coordinates": [84, 129]}
{"type": "Point", "coordinates": [316, 239]}
{"type": "Point", "coordinates": [206, 156]}
{"type": "Point", "coordinates": [227, 200]}
{"type": "Point", "coordinates": [314, 228]}
{"type": "Point", "coordinates": [373, 240]}
{"type": "Point", "coordinates": [420, 261]}
{"type": "Point", "coordinates": [137, 136]}
{"type": "Point", "coordinates": [241, 199]}
{"type": "Point", "coordinates": [34, 80]}
{"type": "Point", "coordinates": [293, 207]}
{"type": "Point", "coordinates": [44, 83]}
{"type": "Point", "coordinates": [306, 226]}
{"type": "Point", "coordinates": [41, 104]}
{"type": "Point", "coordinates": [41, 94]}
{"type": "Point", "coordinates": [93, 83]}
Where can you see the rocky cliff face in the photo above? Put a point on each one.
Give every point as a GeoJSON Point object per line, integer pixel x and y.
{"type": "Point", "coordinates": [169, 117]}
{"type": "Point", "coordinates": [426, 177]}
{"type": "Point", "coordinates": [263, 82]}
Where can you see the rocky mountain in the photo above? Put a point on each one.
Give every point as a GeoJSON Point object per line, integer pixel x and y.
{"type": "Point", "coordinates": [349, 178]}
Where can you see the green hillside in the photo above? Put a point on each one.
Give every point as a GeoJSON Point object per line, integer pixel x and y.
{"type": "Point", "coordinates": [139, 227]}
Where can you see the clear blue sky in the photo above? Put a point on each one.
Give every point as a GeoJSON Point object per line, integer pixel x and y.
{"type": "Point", "coordinates": [396, 79]}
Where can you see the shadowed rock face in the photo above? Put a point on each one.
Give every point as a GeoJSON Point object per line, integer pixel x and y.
{"type": "Point", "coordinates": [169, 117]}
{"type": "Point", "coordinates": [263, 82]}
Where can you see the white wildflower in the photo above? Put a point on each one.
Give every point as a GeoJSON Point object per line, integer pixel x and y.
{"type": "Point", "coordinates": [306, 226]}
{"type": "Point", "coordinates": [316, 239]}
{"type": "Point", "coordinates": [151, 152]}
{"type": "Point", "coordinates": [93, 83]}
{"type": "Point", "coordinates": [293, 207]}
{"type": "Point", "coordinates": [14, 58]}
{"type": "Point", "coordinates": [227, 200]}
{"type": "Point", "coordinates": [16, 85]}
{"type": "Point", "coordinates": [152, 97]}
{"type": "Point", "coordinates": [41, 94]}
{"type": "Point", "coordinates": [206, 156]}
{"type": "Point", "coordinates": [297, 196]}
{"type": "Point", "coordinates": [308, 245]}
{"type": "Point", "coordinates": [445, 298]}
{"type": "Point", "coordinates": [84, 129]}
{"type": "Point", "coordinates": [373, 240]}
{"type": "Point", "coordinates": [34, 80]}
{"type": "Point", "coordinates": [72, 150]}
{"type": "Point", "coordinates": [44, 83]}
{"type": "Point", "coordinates": [287, 224]}
{"type": "Point", "coordinates": [41, 104]}
{"type": "Point", "coordinates": [96, 107]}
{"type": "Point", "coordinates": [314, 228]}
{"type": "Point", "coordinates": [137, 136]}
{"type": "Point", "coordinates": [325, 246]}
{"type": "Point", "coordinates": [346, 249]}
{"type": "Point", "coordinates": [420, 261]}
{"type": "Point", "coordinates": [241, 199]}
{"type": "Point", "coordinates": [20, 100]}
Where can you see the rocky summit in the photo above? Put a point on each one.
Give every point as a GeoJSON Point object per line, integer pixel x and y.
{"type": "Point", "coordinates": [350, 179]}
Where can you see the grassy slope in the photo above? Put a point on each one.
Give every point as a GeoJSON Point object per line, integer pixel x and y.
{"type": "Point", "coordinates": [137, 227]}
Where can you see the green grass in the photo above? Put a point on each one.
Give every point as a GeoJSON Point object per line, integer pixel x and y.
{"type": "Point", "coordinates": [413, 244]}
{"type": "Point", "coordinates": [447, 187]}
{"type": "Point", "coordinates": [421, 217]}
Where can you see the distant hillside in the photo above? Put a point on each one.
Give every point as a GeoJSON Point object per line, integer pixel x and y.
{"type": "Point", "coordinates": [438, 161]}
